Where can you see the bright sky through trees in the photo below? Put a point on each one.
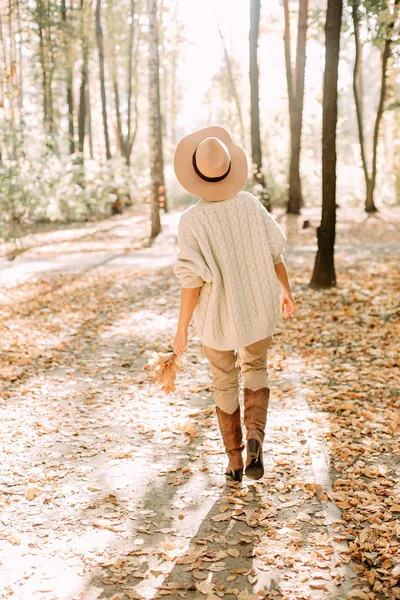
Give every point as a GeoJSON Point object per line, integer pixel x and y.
{"type": "Point", "coordinates": [57, 100]}
{"type": "Point", "coordinates": [203, 57]}
{"type": "Point", "coordinates": [204, 52]}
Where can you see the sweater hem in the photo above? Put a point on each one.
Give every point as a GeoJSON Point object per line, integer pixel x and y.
{"type": "Point", "coordinates": [235, 342]}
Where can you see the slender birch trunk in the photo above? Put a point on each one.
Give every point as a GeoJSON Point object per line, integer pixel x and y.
{"type": "Point", "coordinates": [324, 269]}
{"type": "Point", "coordinates": [89, 123]}
{"type": "Point", "coordinates": [369, 202]}
{"type": "Point", "coordinates": [131, 134]}
{"type": "Point", "coordinates": [158, 193]}
{"type": "Point", "coordinates": [232, 84]}
{"type": "Point", "coordinates": [256, 155]}
{"type": "Point", "coordinates": [69, 81]}
{"type": "Point", "coordinates": [43, 65]}
{"type": "Point", "coordinates": [295, 85]}
{"type": "Point", "coordinates": [84, 81]}
{"type": "Point", "coordinates": [20, 70]}
{"type": "Point", "coordinates": [125, 142]}
{"type": "Point", "coordinates": [100, 45]}
{"type": "Point", "coordinates": [370, 177]}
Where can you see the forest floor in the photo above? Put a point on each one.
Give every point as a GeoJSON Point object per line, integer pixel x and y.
{"type": "Point", "coordinates": [110, 489]}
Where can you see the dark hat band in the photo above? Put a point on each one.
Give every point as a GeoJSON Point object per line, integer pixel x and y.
{"type": "Point", "coordinates": [204, 177]}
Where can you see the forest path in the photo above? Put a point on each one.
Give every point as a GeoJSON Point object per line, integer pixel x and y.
{"type": "Point", "coordinates": [118, 241]}
{"type": "Point", "coordinates": [109, 489]}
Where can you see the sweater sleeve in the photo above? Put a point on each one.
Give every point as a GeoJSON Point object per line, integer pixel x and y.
{"type": "Point", "coordinates": [276, 237]}
{"type": "Point", "coordinates": [190, 268]}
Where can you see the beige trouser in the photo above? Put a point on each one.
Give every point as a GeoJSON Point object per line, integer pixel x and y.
{"type": "Point", "coordinates": [225, 370]}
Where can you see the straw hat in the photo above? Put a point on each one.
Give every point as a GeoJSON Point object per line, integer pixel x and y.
{"type": "Point", "coordinates": [208, 164]}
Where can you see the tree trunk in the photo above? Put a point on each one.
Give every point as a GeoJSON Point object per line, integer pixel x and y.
{"type": "Point", "coordinates": [42, 60]}
{"type": "Point", "coordinates": [52, 68]}
{"type": "Point", "coordinates": [119, 132]}
{"type": "Point", "coordinates": [369, 203]}
{"type": "Point", "coordinates": [125, 143]}
{"type": "Point", "coordinates": [89, 123]}
{"type": "Point", "coordinates": [164, 71]}
{"type": "Point", "coordinates": [288, 56]}
{"type": "Point", "coordinates": [324, 268]}
{"type": "Point", "coordinates": [69, 80]}
{"type": "Point", "coordinates": [47, 65]}
{"type": "Point", "coordinates": [296, 100]}
{"type": "Point", "coordinates": [70, 102]}
{"type": "Point", "coordinates": [134, 127]}
{"type": "Point", "coordinates": [131, 132]}
{"type": "Point", "coordinates": [370, 206]}
{"type": "Point", "coordinates": [21, 78]}
{"type": "Point", "coordinates": [100, 45]}
{"type": "Point", "coordinates": [295, 195]}
{"type": "Point", "coordinates": [396, 147]}
{"type": "Point", "coordinates": [158, 193]}
{"type": "Point", "coordinates": [84, 80]}
{"type": "Point", "coordinates": [175, 89]}
{"type": "Point", "coordinates": [3, 81]}
{"type": "Point", "coordinates": [256, 156]}
{"type": "Point", "coordinates": [174, 102]}
{"type": "Point", "coordinates": [358, 100]}
{"type": "Point", "coordinates": [8, 73]}
{"type": "Point", "coordinates": [50, 54]}
{"type": "Point", "coordinates": [232, 84]}
{"type": "Point", "coordinates": [370, 180]}
{"type": "Point", "coordinates": [82, 104]}
{"type": "Point", "coordinates": [11, 74]}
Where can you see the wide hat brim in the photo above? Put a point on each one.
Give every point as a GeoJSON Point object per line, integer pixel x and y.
{"type": "Point", "coordinates": [188, 178]}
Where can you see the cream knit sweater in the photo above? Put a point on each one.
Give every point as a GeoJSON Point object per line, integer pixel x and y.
{"type": "Point", "coordinates": [229, 248]}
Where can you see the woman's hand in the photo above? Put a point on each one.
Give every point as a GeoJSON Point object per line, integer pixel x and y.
{"type": "Point", "coordinates": [288, 304]}
{"type": "Point", "coordinates": [180, 342]}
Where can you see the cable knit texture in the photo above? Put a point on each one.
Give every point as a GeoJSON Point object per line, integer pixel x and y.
{"type": "Point", "coordinates": [229, 248]}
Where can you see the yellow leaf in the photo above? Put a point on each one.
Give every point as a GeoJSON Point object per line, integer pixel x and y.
{"type": "Point", "coordinates": [343, 505]}
{"type": "Point", "coordinates": [199, 575]}
{"type": "Point", "coordinates": [205, 587]}
{"type": "Point", "coordinates": [223, 517]}
{"type": "Point", "coordinates": [14, 538]}
{"type": "Point", "coordinates": [357, 595]}
{"type": "Point", "coordinates": [318, 586]}
{"type": "Point", "coordinates": [32, 491]}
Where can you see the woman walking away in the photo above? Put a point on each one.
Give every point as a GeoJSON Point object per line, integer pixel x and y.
{"type": "Point", "coordinates": [233, 278]}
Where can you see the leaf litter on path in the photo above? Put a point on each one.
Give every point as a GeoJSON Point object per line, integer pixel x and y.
{"type": "Point", "coordinates": [105, 474]}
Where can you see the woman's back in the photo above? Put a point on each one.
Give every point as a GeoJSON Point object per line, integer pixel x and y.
{"type": "Point", "coordinates": [229, 248]}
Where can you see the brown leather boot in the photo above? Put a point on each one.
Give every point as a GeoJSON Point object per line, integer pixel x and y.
{"type": "Point", "coordinates": [231, 431]}
{"type": "Point", "coordinates": [255, 419]}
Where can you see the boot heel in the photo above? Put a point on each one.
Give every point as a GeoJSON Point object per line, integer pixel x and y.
{"type": "Point", "coordinates": [253, 449]}
{"type": "Point", "coordinates": [237, 475]}
{"type": "Point", "coordinates": [255, 468]}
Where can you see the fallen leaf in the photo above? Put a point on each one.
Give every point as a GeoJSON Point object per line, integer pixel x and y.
{"type": "Point", "coordinates": [223, 516]}
{"type": "Point", "coordinates": [357, 595]}
{"type": "Point", "coordinates": [199, 575]}
{"type": "Point", "coordinates": [205, 587]}
{"type": "Point", "coordinates": [32, 491]}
